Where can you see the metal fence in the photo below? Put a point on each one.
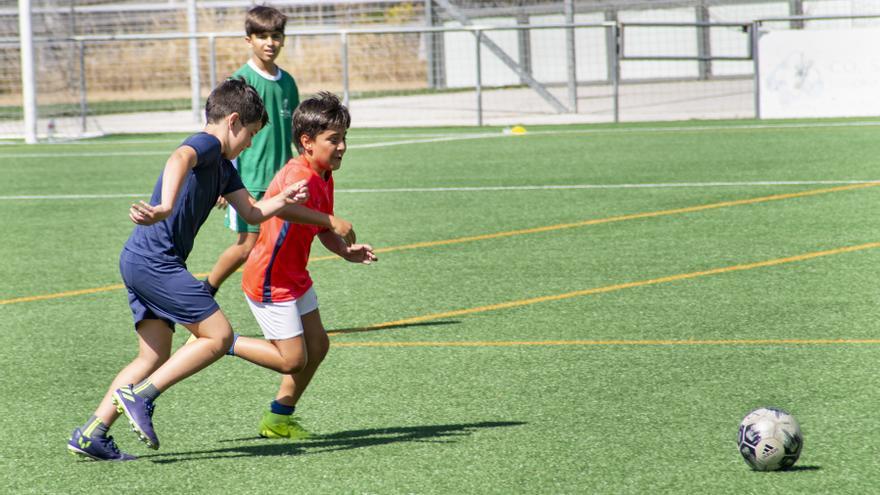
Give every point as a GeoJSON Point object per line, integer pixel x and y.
{"type": "Point", "coordinates": [493, 74]}
{"type": "Point", "coordinates": [573, 65]}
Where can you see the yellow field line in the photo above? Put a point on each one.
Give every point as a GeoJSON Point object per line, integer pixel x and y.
{"type": "Point", "coordinates": [58, 295]}
{"type": "Point", "coordinates": [616, 287]}
{"type": "Point", "coordinates": [598, 343]}
{"type": "Point", "coordinates": [635, 216]}
{"type": "Point", "coordinates": [548, 228]}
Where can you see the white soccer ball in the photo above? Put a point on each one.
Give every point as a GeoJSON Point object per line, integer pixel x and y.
{"type": "Point", "coordinates": [770, 439]}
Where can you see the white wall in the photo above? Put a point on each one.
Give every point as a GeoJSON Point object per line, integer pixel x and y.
{"type": "Point", "coordinates": [642, 41]}
{"type": "Point", "coordinates": [548, 50]}
{"type": "Point", "coordinates": [460, 49]}
{"type": "Point", "coordinates": [819, 73]}
{"type": "Point", "coordinates": [730, 42]}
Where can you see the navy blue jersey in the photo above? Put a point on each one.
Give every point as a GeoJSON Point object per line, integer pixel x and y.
{"type": "Point", "coordinates": [172, 239]}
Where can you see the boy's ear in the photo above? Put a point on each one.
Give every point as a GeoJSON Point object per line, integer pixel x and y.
{"type": "Point", "coordinates": [306, 141]}
{"type": "Point", "coordinates": [232, 118]}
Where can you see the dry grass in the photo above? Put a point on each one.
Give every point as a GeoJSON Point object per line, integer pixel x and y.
{"type": "Point", "coordinates": [135, 70]}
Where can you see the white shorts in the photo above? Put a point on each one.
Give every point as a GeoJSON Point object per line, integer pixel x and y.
{"type": "Point", "coordinates": [283, 320]}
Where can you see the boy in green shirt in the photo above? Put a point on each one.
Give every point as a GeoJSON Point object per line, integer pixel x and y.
{"type": "Point", "coordinates": [271, 148]}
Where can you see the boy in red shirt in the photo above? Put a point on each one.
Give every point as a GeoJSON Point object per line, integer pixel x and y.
{"type": "Point", "coordinates": [277, 284]}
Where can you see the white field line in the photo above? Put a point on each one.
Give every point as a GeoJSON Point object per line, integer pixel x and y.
{"type": "Point", "coordinates": [98, 154]}
{"type": "Point", "coordinates": [75, 196]}
{"type": "Point", "coordinates": [553, 187]}
{"type": "Point", "coordinates": [87, 154]}
{"type": "Point", "coordinates": [359, 137]}
{"type": "Point", "coordinates": [606, 186]}
{"type": "Point", "coordinates": [435, 138]}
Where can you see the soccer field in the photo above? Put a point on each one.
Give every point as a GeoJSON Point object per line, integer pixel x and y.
{"type": "Point", "coordinates": [580, 309]}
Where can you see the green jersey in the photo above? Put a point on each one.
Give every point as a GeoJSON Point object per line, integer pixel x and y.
{"type": "Point", "coordinates": [270, 149]}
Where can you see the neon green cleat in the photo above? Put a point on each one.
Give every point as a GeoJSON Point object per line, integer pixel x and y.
{"type": "Point", "coordinates": [281, 426]}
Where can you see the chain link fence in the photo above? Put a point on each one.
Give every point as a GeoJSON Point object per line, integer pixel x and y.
{"type": "Point", "coordinates": [404, 62]}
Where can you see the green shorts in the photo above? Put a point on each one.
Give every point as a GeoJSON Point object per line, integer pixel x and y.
{"type": "Point", "coordinates": [236, 223]}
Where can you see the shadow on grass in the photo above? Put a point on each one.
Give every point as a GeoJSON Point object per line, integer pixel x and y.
{"type": "Point", "coordinates": [344, 440]}
{"type": "Point", "coordinates": [802, 468]}
{"type": "Point", "coordinates": [341, 331]}
{"type": "Point", "coordinates": [391, 327]}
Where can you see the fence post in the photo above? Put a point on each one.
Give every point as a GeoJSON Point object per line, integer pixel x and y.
{"type": "Point", "coordinates": [571, 59]}
{"type": "Point", "coordinates": [434, 50]}
{"type": "Point", "coordinates": [479, 82]}
{"type": "Point", "coordinates": [343, 38]}
{"type": "Point", "coordinates": [524, 48]}
{"type": "Point", "coordinates": [615, 70]}
{"type": "Point", "coordinates": [28, 76]}
{"type": "Point", "coordinates": [796, 9]}
{"type": "Point", "coordinates": [704, 41]}
{"type": "Point", "coordinates": [195, 84]}
{"type": "Point", "coordinates": [212, 50]}
{"type": "Point", "coordinates": [753, 47]}
{"type": "Point", "coordinates": [610, 43]}
{"type": "Point", "coordinates": [83, 93]}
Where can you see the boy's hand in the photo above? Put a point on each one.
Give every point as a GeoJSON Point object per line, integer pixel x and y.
{"type": "Point", "coordinates": [221, 203]}
{"type": "Point", "coordinates": [145, 214]}
{"type": "Point", "coordinates": [360, 253]}
{"type": "Point", "coordinates": [343, 229]}
{"type": "Point", "coordinates": [296, 193]}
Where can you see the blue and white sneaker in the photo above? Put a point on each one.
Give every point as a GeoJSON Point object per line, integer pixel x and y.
{"type": "Point", "coordinates": [96, 448]}
{"type": "Point", "coordinates": [139, 412]}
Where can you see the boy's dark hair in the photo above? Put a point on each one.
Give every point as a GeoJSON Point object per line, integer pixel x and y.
{"type": "Point", "coordinates": [235, 95]}
{"type": "Point", "coordinates": [264, 19]}
{"type": "Point", "coordinates": [317, 114]}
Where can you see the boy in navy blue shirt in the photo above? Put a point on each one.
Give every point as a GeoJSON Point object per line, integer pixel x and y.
{"type": "Point", "coordinates": [161, 292]}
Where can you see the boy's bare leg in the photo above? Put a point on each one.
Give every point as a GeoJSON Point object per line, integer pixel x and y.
{"type": "Point", "coordinates": [213, 338]}
{"type": "Point", "coordinates": [154, 348]}
{"type": "Point", "coordinates": [278, 421]}
{"type": "Point", "coordinates": [232, 258]}
{"type": "Point", "coordinates": [317, 346]}
{"type": "Point", "coordinates": [284, 356]}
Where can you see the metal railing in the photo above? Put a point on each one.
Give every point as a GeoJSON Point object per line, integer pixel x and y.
{"type": "Point", "coordinates": [616, 31]}
{"type": "Point", "coordinates": [617, 51]}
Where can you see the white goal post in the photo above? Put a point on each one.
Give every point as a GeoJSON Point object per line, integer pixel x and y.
{"type": "Point", "coordinates": [28, 73]}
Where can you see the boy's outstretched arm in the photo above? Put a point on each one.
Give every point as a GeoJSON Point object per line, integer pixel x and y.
{"type": "Point", "coordinates": [356, 253]}
{"type": "Point", "coordinates": [178, 165]}
{"type": "Point", "coordinates": [255, 212]}
{"type": "Point", "coordinates": [305, 215]}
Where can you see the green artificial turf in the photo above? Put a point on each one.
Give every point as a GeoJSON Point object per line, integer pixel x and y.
{"type": "Point", "coordinates": [513, 337]}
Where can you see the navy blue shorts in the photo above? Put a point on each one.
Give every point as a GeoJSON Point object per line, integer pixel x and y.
{"type": "Point", "coordinates": [164, 290]}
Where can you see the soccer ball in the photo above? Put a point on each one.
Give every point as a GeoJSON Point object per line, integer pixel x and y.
{"type": "Point", "coordinates": [770, 439]}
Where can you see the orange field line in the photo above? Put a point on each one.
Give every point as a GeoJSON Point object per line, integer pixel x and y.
{"type": "Point", "coordinates": [458, 240]}
{"type": "Point", "coordinates": [616, 287]}
{"type": "Point", "coordinates": [527, 343]}
{"type": "Point", "coordinates": [634, 216]}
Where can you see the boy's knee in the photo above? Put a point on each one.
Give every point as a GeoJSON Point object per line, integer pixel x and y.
{"type": "Point", "coordinates": [293, 366]}
{"type": "Point", "coordinates": [246, 244]}
{"type": "Point", "coordinates": [218, 344]}
{"type": "Point", "coordinates": [226, 341]}
{"type": "Point", "coordinates": [152, 362]}
{"type": "Point", "coordinates": [319, 350]}
{"type": "Point", "coordinates": [244, 251]}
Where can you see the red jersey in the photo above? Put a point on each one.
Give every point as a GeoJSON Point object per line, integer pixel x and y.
{"type": "Point", "coordinates": [276, 269]}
